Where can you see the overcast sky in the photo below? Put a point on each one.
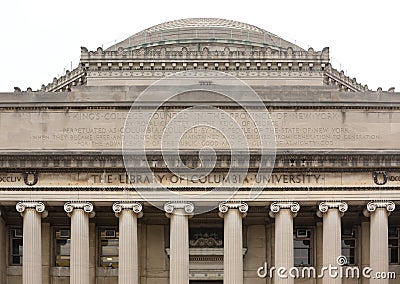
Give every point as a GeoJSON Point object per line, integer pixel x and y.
{"type": "Point", "coordinates": [40, 38]}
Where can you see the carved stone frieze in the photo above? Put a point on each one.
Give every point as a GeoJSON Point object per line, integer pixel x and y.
{"type": "Point", "coordinates": [206, 240]}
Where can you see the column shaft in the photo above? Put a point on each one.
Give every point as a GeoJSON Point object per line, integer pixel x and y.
{"type": "Point", "coordinates": [128, 248]}
{"type": "Point", "coordinates": [284, 212]}
{"type": "Point", "coordinates": [3, 250]}
{"type": "Point", "coordinates": [284, 256]}
{"type": "Point", "coordinates": [79, 270]}
{"type": "Point", "coordinates": [379, 258]}
{"type": "Point", "coordinates": [179, 248]}
{"type": "Point", "coordinates": [233, 245]}
{"type": "Point", "coordinates": [379, 254]}
{"type": "Point", "coordinates": [32, 247]}
{"type": "Point", "coordinates": [332, 242]}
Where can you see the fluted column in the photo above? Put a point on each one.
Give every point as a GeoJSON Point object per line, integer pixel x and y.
{"type": "Point", "coordinates": [179, 213]}
{"type": "Point", "coordinates": [284, 212]}
{"type": "Point", "coordinates": [128, 266]}
{"type": "Point", "coordinates": [79, 259]}
{"type": "Point", "coordinates": [32, 212]}
{"type": "Point", "coordinates": [332, 211]}
{"type": "Point", "coordinates": [233, 212]}
{"type": "Point", "coordinates": [379, 255]}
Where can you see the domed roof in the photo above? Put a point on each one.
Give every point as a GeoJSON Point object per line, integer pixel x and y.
{"type": "Point", "coordinates": [204, 30]}
{"type": "Point", "coordinates": [203, 23]}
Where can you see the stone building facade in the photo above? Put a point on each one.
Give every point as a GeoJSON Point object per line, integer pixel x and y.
{"type": "Point", "coordinates": [69, 213]}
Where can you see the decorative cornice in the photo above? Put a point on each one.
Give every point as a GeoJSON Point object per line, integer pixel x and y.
{"type": "Point", "coordinates": [64, 83]}
{"type": "Point", "coordinates": [334, 77]}
{"type": "Point", "coordinates": [84, 205]}
{"type": "Point", "coordinates": [275, 207]}
{"type": "Point", "coordinates": [98, 162]}
{"type": "Point", "coordinates": [37, 205]}
{"type": "Point", "coordinates": [225, 206]}
{"type": "Point", "coordinates": [190, 52]}
{"type": "Point", "coordinates": [373, 205]}
{"type": "Point", "coordinates": [136, 207]}
{"type": "Point", "coordinates": [282, 72]}
{"type": "Point", "coordinates": [171, 206]}
{"type": "Point", "coordinates": [101, 189]}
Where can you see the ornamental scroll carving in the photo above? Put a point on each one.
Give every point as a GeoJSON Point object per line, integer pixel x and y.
{"type": "Point", "coordinates": [225, 206]}
{"type": "Point", "coordinates": [373, 205]}
{"type": "Point", "coordinates": [326, 205]}
{"type": "Point", "coordinates": [37, 205]}
{"type": "Point", "coordinates": [136, 207]}
{"type": "Point", "coordinates": [275, 207]}
{"type": "Point", "coordinates": [85, 206]}
{"type": "Point", "coordinates": [187, 207]}
{"type": "Point", "coordinates": [206, 240]}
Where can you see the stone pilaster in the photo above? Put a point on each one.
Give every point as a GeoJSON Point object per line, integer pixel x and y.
{"type": "Point", "coordinates": [379, 255]}
{"type": "Point", "coordinates": [32, 212]}
{"type": "Point", "coordinates": [79, 264]}
{"type": "Point", "coordinates": [3, 250]}
{"type": "Point", "coordinates": [284, 212]}
{"type": "Point", "coordinates": [46, 252]}
{"type": "Point", "coordinates": [233, 212]}
{"type": "Point", "coordinates": [364, 243]}
{"type": "Point", "coordinates": [128, 267]}
{"type": "Point", "coordinates": [179, 213]}
{"type": "Point", "coordinates": [332, 211]}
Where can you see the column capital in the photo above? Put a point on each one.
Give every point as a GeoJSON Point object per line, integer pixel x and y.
{"type": "Point", "coordinates": [225, 206]}
{"type": "Point", "coordinates": [277, 206]}
{"type": "Point", "coordinates": [84, 205]}
{"type": "Point", "coordinates": [136, 207]}
{"type": "Point", "coordinates": [37, 205]}
{"type": "Point", "coordinates": [373, 205]}
{"type": "Point", "coordinates": [326, 205]}
{"type": "Point", "coordinates": [171, 206]}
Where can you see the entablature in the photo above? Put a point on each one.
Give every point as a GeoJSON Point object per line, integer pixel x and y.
{"type": "Point", "coordinates": [285, 160]}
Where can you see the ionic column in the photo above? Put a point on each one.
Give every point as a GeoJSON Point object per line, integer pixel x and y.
{"type": "Point", "coordinates": [332, 211]}
{"type": "Point", "coordinates": [233, 212]}
{"type": "Point", "coordinates": [179, 213]}
{"type": "Point", "coordinates": [284, 212]}
{"type": "Point", "coordinates": [379, 255]}
{"type": "Point", "coordinates": [79, 259]}
{"type": "Point", "coordinates": [128, 266]}
{"type": "Point", "coordinates": [32, 212]}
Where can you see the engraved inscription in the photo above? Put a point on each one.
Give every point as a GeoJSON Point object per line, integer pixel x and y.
{"type": "Point", "coordinates": [275, 180]}
{"type": "Point", "coordinates": [305, 129]}
{"type": "Point", "coordinates": [212, 179]}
